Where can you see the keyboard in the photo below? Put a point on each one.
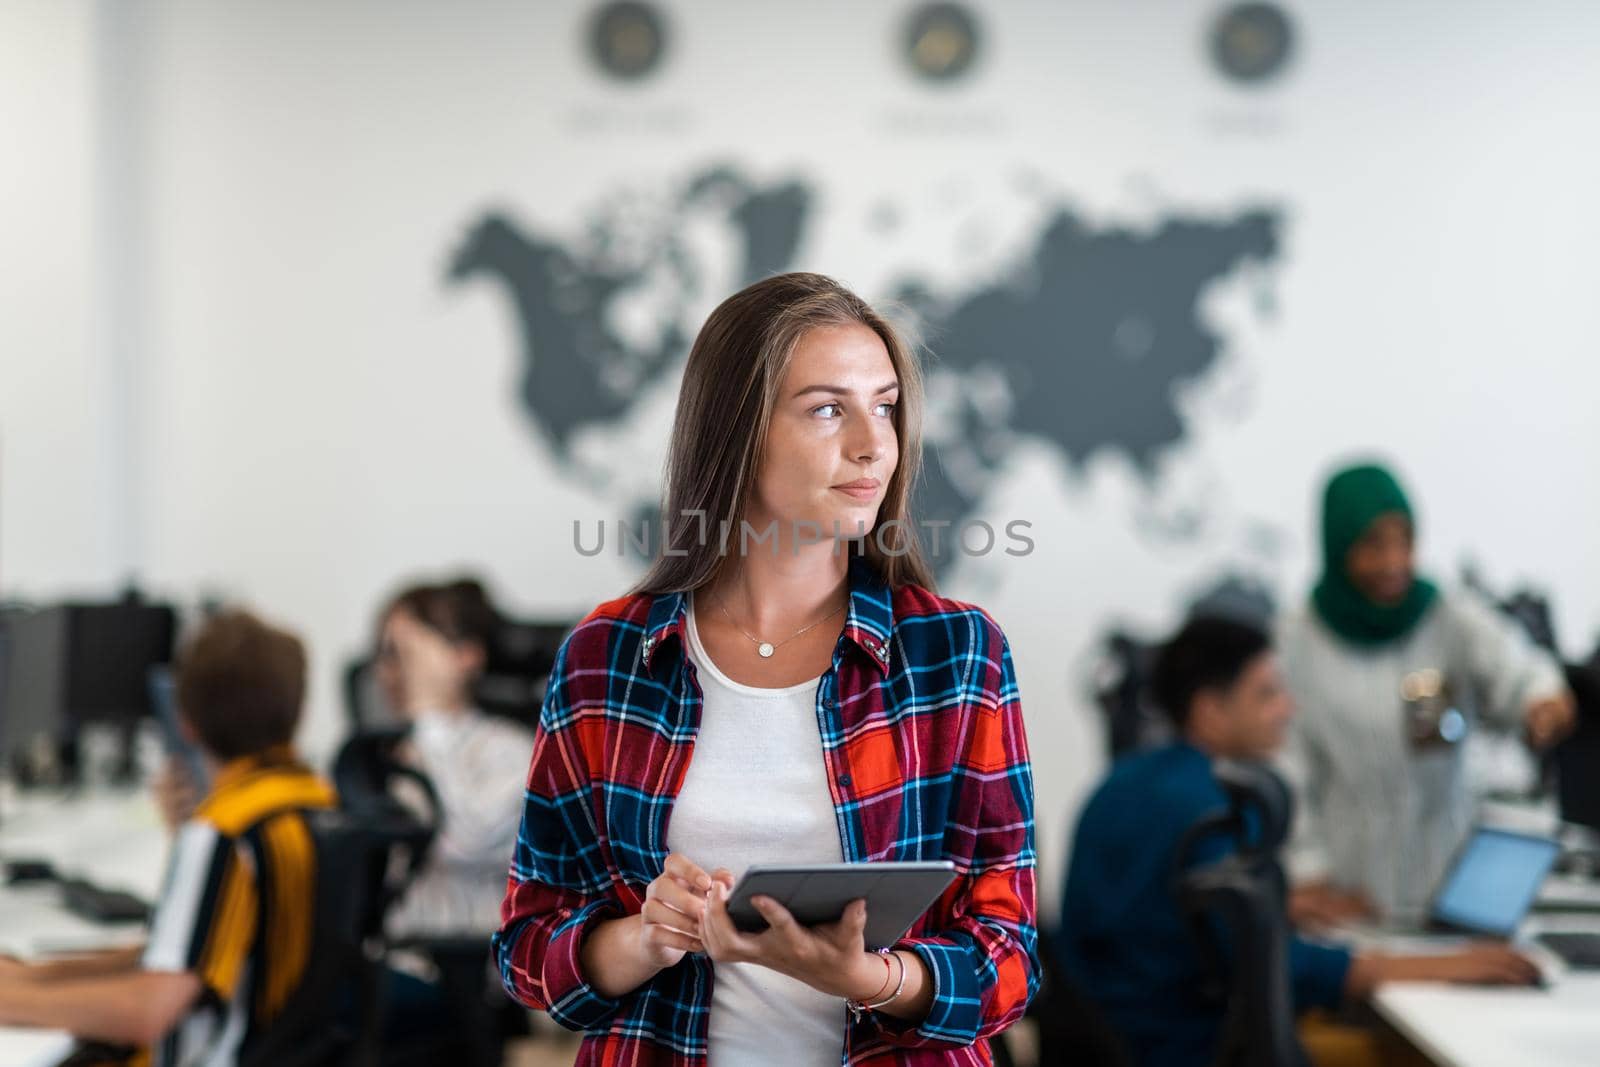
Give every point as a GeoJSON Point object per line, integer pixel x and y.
{"type": "Point", "coordinates": [89, 901]}
{"type": "Point", "coordinates": [1580, 950]}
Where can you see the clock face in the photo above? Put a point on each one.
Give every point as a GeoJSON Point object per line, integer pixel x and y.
{"type": "Point", "coordinates": [941, 41]}
{"type": "Point", "coordinates": [627, 39]}
{"type": "Point", "coordinates": [1251, 42]}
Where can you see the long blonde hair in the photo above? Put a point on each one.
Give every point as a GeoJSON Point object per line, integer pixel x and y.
{"type": "Point", "coordinates": [730, 387]}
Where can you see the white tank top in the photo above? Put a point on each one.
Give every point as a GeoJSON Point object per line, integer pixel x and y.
{"type": "Point", "coordinates": [756, 792]}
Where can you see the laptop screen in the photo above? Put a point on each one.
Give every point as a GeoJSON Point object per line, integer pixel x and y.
{"type": "Point", "coordinates": [1494, 881]}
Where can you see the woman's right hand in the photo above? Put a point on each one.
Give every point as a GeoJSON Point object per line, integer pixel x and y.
{"type": "Point", "coordinates": [622, 954]}
{"type": "Point", "coordinates": [674, 905]}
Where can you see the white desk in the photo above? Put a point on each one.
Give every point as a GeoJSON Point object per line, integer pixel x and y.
{"type": "Point", "coordinates": [1468, 1026]}
{"type": "Point", "coordinates": [1563, 893]}
{"type": "Point", "coordinates": [1461, 1026]}
{"type": "Point", "coordinates": [33, 1048]}
{"type": "Point", "coordinates": [115, 840]}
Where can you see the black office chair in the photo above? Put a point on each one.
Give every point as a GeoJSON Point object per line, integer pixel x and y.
{"type": "Point", "coordinates": [371, 783]}
{"type": "Point", "coordinates": [1529, 609]}
{"type": "Point", "coordinates": [1122, 676]}
{"type": "Point", "coordinates": [1121, 688]}
{"type": "Point", "coordinates": [1240, 901]}
{"type": "Point", "coordinates": [516, 670]}
{"type": "Point", "coordinates": [1575, 763]}
{"type": "Point", "coordinates": [1572, 767]}
{"type": "Point", "coordinates": [332, 1019]}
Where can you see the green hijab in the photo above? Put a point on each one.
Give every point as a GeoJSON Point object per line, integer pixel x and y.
{"type": "Point", "coordinates": [1355, 497]}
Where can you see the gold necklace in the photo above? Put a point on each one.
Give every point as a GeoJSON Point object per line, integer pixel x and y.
{"type": "Point", "coordinates": [766, 648]}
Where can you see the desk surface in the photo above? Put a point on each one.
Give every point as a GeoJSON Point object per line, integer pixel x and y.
{"type": "Point", "coordinates": [1462, 1026]}
{"type": "Point", "coordinates": [113, 839]}
{"type": "Point", "coordinates": [33, 1048]}
{"type": "Point", "coordinates": [1474, 1026]}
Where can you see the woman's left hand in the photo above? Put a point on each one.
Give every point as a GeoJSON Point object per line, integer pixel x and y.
{"type": "Point", "coordinates": [831, 958]}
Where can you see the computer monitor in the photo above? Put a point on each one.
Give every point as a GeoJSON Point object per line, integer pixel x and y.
{"type": "Point", "coordinates": [31, 683]}
{"type": "Point", "coordinates": [110, 649]}
{"type": "Point", "coordinates": [5, 675]}
{"type": "Point", "coordinates": [69, 665]}
{"type": "Point", "coordinates": [1493, 882]}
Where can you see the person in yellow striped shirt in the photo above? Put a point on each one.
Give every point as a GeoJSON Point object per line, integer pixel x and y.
{"type": "Point", "coordinates": [231, 936]}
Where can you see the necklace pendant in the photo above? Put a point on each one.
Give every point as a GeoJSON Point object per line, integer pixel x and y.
{"type": "Point", "coordinates": [765, 648]}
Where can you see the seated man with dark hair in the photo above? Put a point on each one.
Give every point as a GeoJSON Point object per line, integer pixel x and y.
{"type": "Point", "coordinates": [1123, 939]}
{"type": "Point", "coordinates": [231, 936]}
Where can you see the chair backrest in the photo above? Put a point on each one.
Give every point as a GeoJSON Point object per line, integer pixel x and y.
{"type": "Point", "coordinates": [517, 668]}
{"type": "Point", "coordinates": [370, 780]}
{"type": "Point", "coordinates": [333, 1016]}
{"type": "Point", "coordinates": [365, 709]}
{"type": "Point", "coordinates": [374, 785]}
{"type": "Point", "coordinates": [520, 660]}
{"type": "Point", "coordinates": [1236, 911]}
{"type": "Point", "coordinates": [1123, 673]}
{"type": "Point", "coordinates": [1575, 763]}
{"type": "Point", "coordinates": [1576, 760]}
{"type": "Point", "coordinates": [1121, 689]}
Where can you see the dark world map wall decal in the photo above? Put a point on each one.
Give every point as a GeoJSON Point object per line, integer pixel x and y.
{"type": "Point", "coordinates": [1084, 346]}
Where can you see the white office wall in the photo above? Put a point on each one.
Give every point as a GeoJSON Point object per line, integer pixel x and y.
{"type": "Point", "coordinates": [57, 528]}
{"type": "Point", "coordinates": [318, 414]}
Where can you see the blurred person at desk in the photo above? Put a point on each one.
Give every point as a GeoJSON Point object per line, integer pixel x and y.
{"type": "Point", "coordinates": [1124, 940]}
{"type": "Point", "coordinates": [433, 643]}
{"type": "Point", "coordinates": [1391, 673]}
{"type": "Point", "coordinates": [231, 935]}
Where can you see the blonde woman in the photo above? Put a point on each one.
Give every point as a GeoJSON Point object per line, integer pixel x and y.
{"type": "Point", "coordinates": [782, 687]}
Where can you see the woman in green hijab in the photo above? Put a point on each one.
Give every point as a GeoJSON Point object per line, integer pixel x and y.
{"type": "Point", "coordinates": [1391, 673]}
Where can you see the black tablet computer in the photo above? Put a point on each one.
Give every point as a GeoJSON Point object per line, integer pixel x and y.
{"type": "Point", "coordinates": [896, 894]}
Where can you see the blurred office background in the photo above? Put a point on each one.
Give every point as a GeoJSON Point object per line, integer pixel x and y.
{"type": "Point", "coordinates": [300, 299]}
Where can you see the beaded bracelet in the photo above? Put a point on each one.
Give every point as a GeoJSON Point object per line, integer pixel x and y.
{"type": "Point", "coordinates": [858, 1009]}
